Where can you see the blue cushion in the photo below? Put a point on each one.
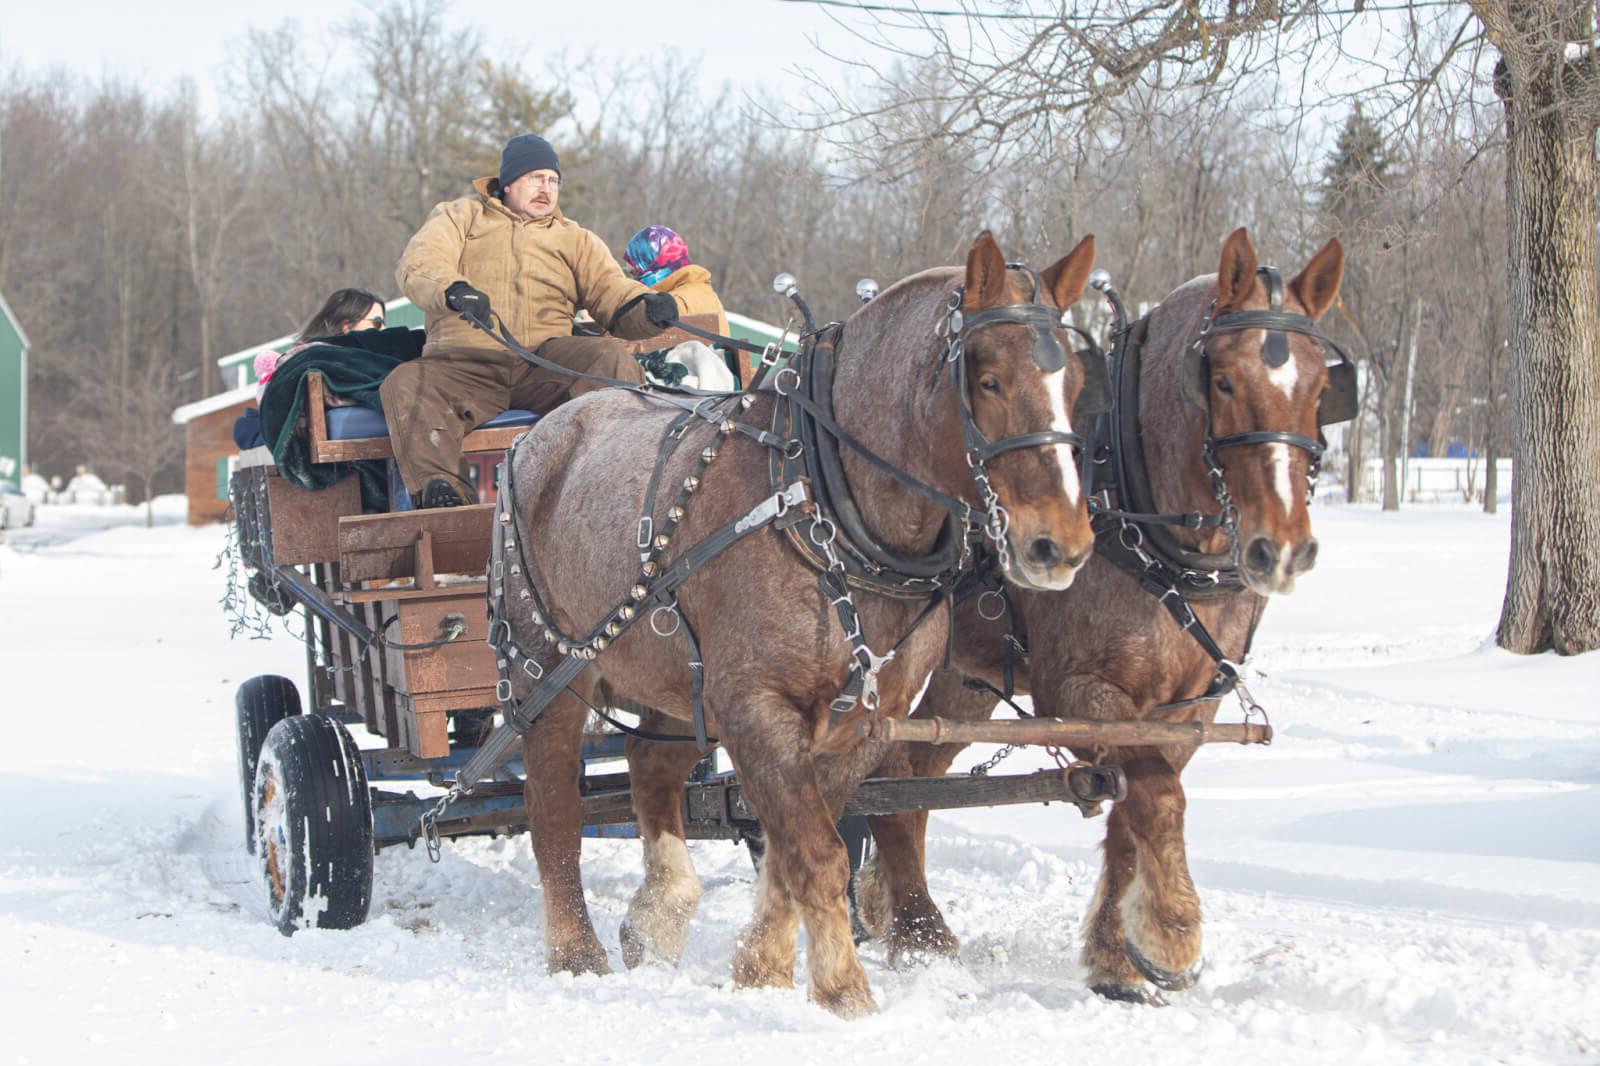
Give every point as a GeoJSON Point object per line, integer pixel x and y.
{"type": "Point", "coordinates": [357, 423]}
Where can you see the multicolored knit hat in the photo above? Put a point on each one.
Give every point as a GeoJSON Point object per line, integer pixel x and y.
{"type": "Point", "coordinates": [654, 252]}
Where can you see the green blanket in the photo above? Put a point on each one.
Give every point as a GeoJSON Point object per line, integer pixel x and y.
{"type": "Point", "coordinates": [352, 366]}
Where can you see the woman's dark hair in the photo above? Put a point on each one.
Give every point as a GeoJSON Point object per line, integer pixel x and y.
{"type": "Point", "coordinates": [344, 309]}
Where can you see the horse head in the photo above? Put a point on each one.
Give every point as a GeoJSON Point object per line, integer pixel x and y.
{"type": "Point", "coordinates": [1021, 382]}
{"type": "Point", "coordinates": [1265, 392]}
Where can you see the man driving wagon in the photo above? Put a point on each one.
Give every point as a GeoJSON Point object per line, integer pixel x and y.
{"type": "Point", "coordinates": [509, 250]}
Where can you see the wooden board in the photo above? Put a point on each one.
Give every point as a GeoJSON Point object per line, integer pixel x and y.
{"type": "Point", "coordinates": [383, 547]}
{"type": "Point", "coordinates": [465, 663]}
{"type": "Point", "coordinates": [428, 683]}
{"type": "Point", "coordinates": [324, 450]}
{"type": "Point", "coordinates": [305, 524]}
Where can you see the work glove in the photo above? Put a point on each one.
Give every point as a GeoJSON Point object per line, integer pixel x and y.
{"type": "Point", "coordinates": [469, 301]}
{"type": "Point", "coordinates": [661, 309]}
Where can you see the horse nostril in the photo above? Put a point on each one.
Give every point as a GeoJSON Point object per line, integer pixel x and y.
{"type": "Point", "coordinates": [1044, 551]}
{"type": "Point", "coordinates": [1261, 556]}
{"type": "Point", "coordinates": [1305, 556]}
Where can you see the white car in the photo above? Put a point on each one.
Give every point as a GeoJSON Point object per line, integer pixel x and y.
{"type": "Point", "coordinates": [15, 508]}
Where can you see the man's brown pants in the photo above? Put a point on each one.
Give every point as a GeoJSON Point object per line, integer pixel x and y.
{"type": "Point", "coordinates": [433, 401]}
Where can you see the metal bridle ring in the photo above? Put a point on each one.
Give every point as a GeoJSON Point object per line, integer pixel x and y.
{"type": "Point", "coordinates": [999, 598]}
{"type": "Point", "coordinates": [677, 621]}
{"type": "Point", "coordinates": [777, 381]}
{"type": "Point", "coordinates": [831, 532]}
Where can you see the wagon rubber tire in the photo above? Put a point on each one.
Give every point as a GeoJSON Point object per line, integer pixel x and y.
{"type": "Point", "coordinates": [261, 703]}
{"type": "Point", "coordinates": [313, 817]}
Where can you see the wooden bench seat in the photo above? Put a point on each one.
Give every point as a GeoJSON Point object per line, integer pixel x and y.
{"type": "Point", "coordinates": [324, 449]}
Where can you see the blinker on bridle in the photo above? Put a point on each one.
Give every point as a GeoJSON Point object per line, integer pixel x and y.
{"type": "Point", "coordinates": [955, 327]}
{"type": "Point", "coordinates": [1337, 403]}
{"type": "Point", "coordinates": [1048, 356]}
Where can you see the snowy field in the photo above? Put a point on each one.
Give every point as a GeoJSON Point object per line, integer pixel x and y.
{"type": "Point", "coordinates": [1411, 874]}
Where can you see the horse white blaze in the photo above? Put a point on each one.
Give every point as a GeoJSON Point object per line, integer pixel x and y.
{"type": "Point", "coordinates": [1284, 378]}
{"type": "Point", "coordinates": [1055, 388]}
{"type": "Point", "coordinates": [1278, 459]}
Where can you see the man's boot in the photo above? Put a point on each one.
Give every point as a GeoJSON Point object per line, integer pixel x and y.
{"type": "Point", "coordinates": [439, 493]}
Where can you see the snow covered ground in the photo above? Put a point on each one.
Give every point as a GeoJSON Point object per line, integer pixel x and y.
{"type": "Point", "coordinates": [1410, 874]}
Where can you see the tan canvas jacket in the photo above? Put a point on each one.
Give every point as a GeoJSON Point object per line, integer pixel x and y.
{"type": "Point", "coordinates": [536, 272]}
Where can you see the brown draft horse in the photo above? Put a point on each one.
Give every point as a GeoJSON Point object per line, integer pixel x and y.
{"type": "Point", "coordinates": [1108, 650]}
{"type": "Point", "coordinates": [773, 653]}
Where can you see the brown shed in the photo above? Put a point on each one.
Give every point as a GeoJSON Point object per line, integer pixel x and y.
{"type": "Point", "coordinates": [209, 451]}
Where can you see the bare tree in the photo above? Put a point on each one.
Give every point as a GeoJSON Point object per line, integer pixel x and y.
{"type": "Point", "coordinates": [126, 430]}
{"type": "Point", "coordinates": [1546, 78]}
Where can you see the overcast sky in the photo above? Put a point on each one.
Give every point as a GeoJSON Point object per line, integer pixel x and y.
{"type": "Point", "coordinates": [749, 43]}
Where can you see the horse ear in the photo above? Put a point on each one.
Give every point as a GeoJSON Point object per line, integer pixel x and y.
{"type": "Point", "coordinates": [1317, 286]}
{"type": "Point", "coordinates": [1066, 279]}
{"type": "Point", "coordinates": [1236, 275]}
{"type": "Point", "coordinates": [986, 275]}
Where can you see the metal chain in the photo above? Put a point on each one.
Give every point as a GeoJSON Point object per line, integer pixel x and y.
{"type": "Point", "coordinates": [1226, 507]}
{"type": "Point", "coordinates": [997, 521]}
{"type": "Point", "coordinates": [983, 768]}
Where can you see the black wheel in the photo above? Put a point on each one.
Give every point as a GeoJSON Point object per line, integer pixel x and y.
{"type": "Point", "coordinates": [261, 703]}
{"type": "Point", "coordinates": [313, 817]}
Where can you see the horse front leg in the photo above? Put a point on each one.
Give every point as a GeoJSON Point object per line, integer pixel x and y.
{"type": "Point", "coordinates": [551, 751]}
{"type": "Point", "coordinates": [892, 896]}
{"type": "Point", "coordinates": [1110, 973]}
{"type": "Point", "coordinates": [1161, 911]}
{"type": "Point", "coordinates": [806, 863]}
{"type": "Point", "coordinates": [764, 954]}
{"type": "Point", "coordinates": [660, 911]}
{"type": "Point", "coordinates": [1105, 956]}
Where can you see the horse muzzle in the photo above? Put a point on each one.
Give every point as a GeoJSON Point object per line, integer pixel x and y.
{"type": "Point", "coordinates": [1269, 568]}
{"type": "Point", "coordinates": [1042, 562]}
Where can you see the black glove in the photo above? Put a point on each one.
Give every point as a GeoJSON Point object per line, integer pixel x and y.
{"type": "Point", "coordinates": [661, 309]}
{"type": "Point", "coordinates": [469, 301]}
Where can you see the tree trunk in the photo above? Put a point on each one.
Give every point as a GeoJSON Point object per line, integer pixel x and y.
{"type": "Point", "coordinates": [1491, 472]}
{"type": "Point", "coordinates": [1353, 460]}
{"type": "Point", "coordinates": [1389, 439]}
{"type": "Point", "coordinates": [1552, 596]}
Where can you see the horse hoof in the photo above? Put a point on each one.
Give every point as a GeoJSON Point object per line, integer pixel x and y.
{"type": "Point", "coordinates": [1118, 993]}
{"type": "Point", "coordinates": [848, 1003]}
{"type": "Point", "coordinates": [919, 941]}
{"type": "Point", "coordinates": [1163, 979]}
{"type": "Point", "coordinates": [580, 961]}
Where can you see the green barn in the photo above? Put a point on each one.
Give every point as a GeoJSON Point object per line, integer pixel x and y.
{"type": "Point", "coordinates": [13, 395]}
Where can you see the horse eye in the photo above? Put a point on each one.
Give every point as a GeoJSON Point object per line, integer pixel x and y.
{"type": "Point", "coordinates": [1224, 386]}
{"type": "Point", "coordinates": [989, 383]}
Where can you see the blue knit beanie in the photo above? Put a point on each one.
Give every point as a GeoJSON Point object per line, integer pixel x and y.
{"type": "Point", "coordinates": [525, 152]}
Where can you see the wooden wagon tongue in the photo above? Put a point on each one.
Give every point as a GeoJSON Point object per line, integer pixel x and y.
{"type": "Point", "coordinates": [1054, 731]}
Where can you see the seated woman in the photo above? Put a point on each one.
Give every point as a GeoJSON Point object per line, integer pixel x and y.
{"type": "Point", "coordinates": [658, 257]}
{"type": "Point", "coordinates": [346, 311]}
